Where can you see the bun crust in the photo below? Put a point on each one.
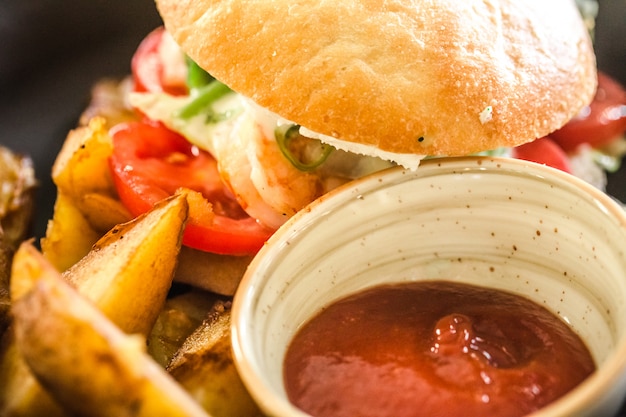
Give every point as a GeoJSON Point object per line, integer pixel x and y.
{"type": "Point", "coordinates": [430, 78]}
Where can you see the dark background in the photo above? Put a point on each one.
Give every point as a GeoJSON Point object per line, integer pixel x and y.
{"type": "Point", "coordinates": [52, 51]}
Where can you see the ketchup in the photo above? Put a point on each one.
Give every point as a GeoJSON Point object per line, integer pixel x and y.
{"type": "Point", "coordinates": [433, 349]}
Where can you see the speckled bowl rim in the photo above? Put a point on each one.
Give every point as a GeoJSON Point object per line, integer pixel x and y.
{"type": "Point", "coordinates": [576, 402]}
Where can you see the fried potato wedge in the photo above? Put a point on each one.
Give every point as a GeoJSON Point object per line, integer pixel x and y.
{"type": "Point", "coordinates": [21, 395]}
{"type": "Point", "coordinates": [182, 314]}
{"type": "Point", "coordinates": [204, 367]}
{"type": "Point", "coordinates": [69, 235]}
{"type": "Point", "coordinates": [220, 274]}
{"type": "Point", "coordinates": [74, 227]}
{"type": "Point", "coordinates": [106, 372]}
{"type": "Point", "coordinates": [17, 196]}
{"type": "Point", "coordinates": [129, 271]}
{"type": "Point", "coordinates": [5, 308]}
{"type": "Point", "coordinates": [87, 205]}
{"type": "Point", "coordinates": [82, 166]}
{"type": "Point", "coordinates": [5, 271]}
{"type": "Point", "coordinates": [102, 211]}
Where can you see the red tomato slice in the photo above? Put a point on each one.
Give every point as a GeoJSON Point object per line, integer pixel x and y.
{"type": "Point", "coordinates": [150, 162]}
{"type": "Point", "coordinates": [543, 151]}
{"type": "Point", "coordinates": [600, 122]}
{"type": "Point", "coordinates": [147, 67]}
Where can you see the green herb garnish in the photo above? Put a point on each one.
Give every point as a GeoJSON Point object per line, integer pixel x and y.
{"type": "Point", "coordinates": [204, 97]}
{"type": "Point", "coordinates": [196, 76]}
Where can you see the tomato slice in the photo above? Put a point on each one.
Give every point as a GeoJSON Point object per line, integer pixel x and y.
{"type": "Point", "coordinates": [599, 123]}
{"type": "Point", "coordinates": [544, 151]}
{"type": "Point", "coordinates": [150, 162]}
{"type": "Point", "coordinates": [147, 67]}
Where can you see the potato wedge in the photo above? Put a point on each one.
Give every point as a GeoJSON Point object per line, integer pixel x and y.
{"type": "Point", "coordinates": [129, 270]}
{"type": "Point", "coordinates": [5, 271]}
{"type": "Point", "coordinates": [106, 372]}
{"type": "Point", "coordinates": [82, 165]}
{"type": "Point", "coordinates": [182, 314]}
{"type": "Point", "coordinates": [5, 308]}
{"type": "Point", "coordinates": [21, 395]}
{"type": "Point", "coordinates": [102, 211]}
{"type": "Point", "coordinates": [87, 205]}
{"type": "Point", "coordinates": [81, 174]}
{"type": "Point", "coordinates": [17, 196]}
{"type": "Point", "coordinates": [204, 367]}
{"type": "Point", "coordinates": [69, 235]}
{"type": "Point", "coordinates": [220, 274]}
{"type": "Point", "coordinates": [77, 224]}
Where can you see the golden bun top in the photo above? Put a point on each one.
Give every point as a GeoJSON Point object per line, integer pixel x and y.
{"type": "Point", "coordinates": [442, 77]}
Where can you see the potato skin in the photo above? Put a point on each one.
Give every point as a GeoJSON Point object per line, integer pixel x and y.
{"type": "Point", "coordinates": [5, 301]}
{"type": "Point", "coordinates": [17, 198]}
{"type": "Point", "coordinates": [108, 373]}
{"type": "Point", "coordinates": [205, 367]}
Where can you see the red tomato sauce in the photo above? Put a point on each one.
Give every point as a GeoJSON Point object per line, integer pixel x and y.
{"type": "Point", "coordinates": [433, 349]}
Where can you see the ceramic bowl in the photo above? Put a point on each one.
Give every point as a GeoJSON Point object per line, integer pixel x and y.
{"type": "Point", "coordinates": [501, 223]}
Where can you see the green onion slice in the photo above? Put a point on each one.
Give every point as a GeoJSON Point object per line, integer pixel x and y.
{"type": "Point", "coordinates": [287, 133]}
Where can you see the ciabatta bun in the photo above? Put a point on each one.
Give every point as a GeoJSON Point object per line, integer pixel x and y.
{"type": "Point", "coordinates": [428, 78]}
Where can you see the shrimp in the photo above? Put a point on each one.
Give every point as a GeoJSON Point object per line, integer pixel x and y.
{"type": "Point", "coordinates": [266, 185]}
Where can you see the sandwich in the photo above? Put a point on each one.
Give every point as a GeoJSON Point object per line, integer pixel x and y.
{"type": "Point", "coordinates": [262, 107]}
{"type": "Point", "coordinates": [398, 80]}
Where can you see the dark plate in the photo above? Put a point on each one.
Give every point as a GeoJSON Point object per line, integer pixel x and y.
{"type": "Point", "coordinates": [52, 52]}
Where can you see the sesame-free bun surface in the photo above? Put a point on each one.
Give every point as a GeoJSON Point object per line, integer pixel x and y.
{"type": "Point", "coordinates": [413, 77]}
